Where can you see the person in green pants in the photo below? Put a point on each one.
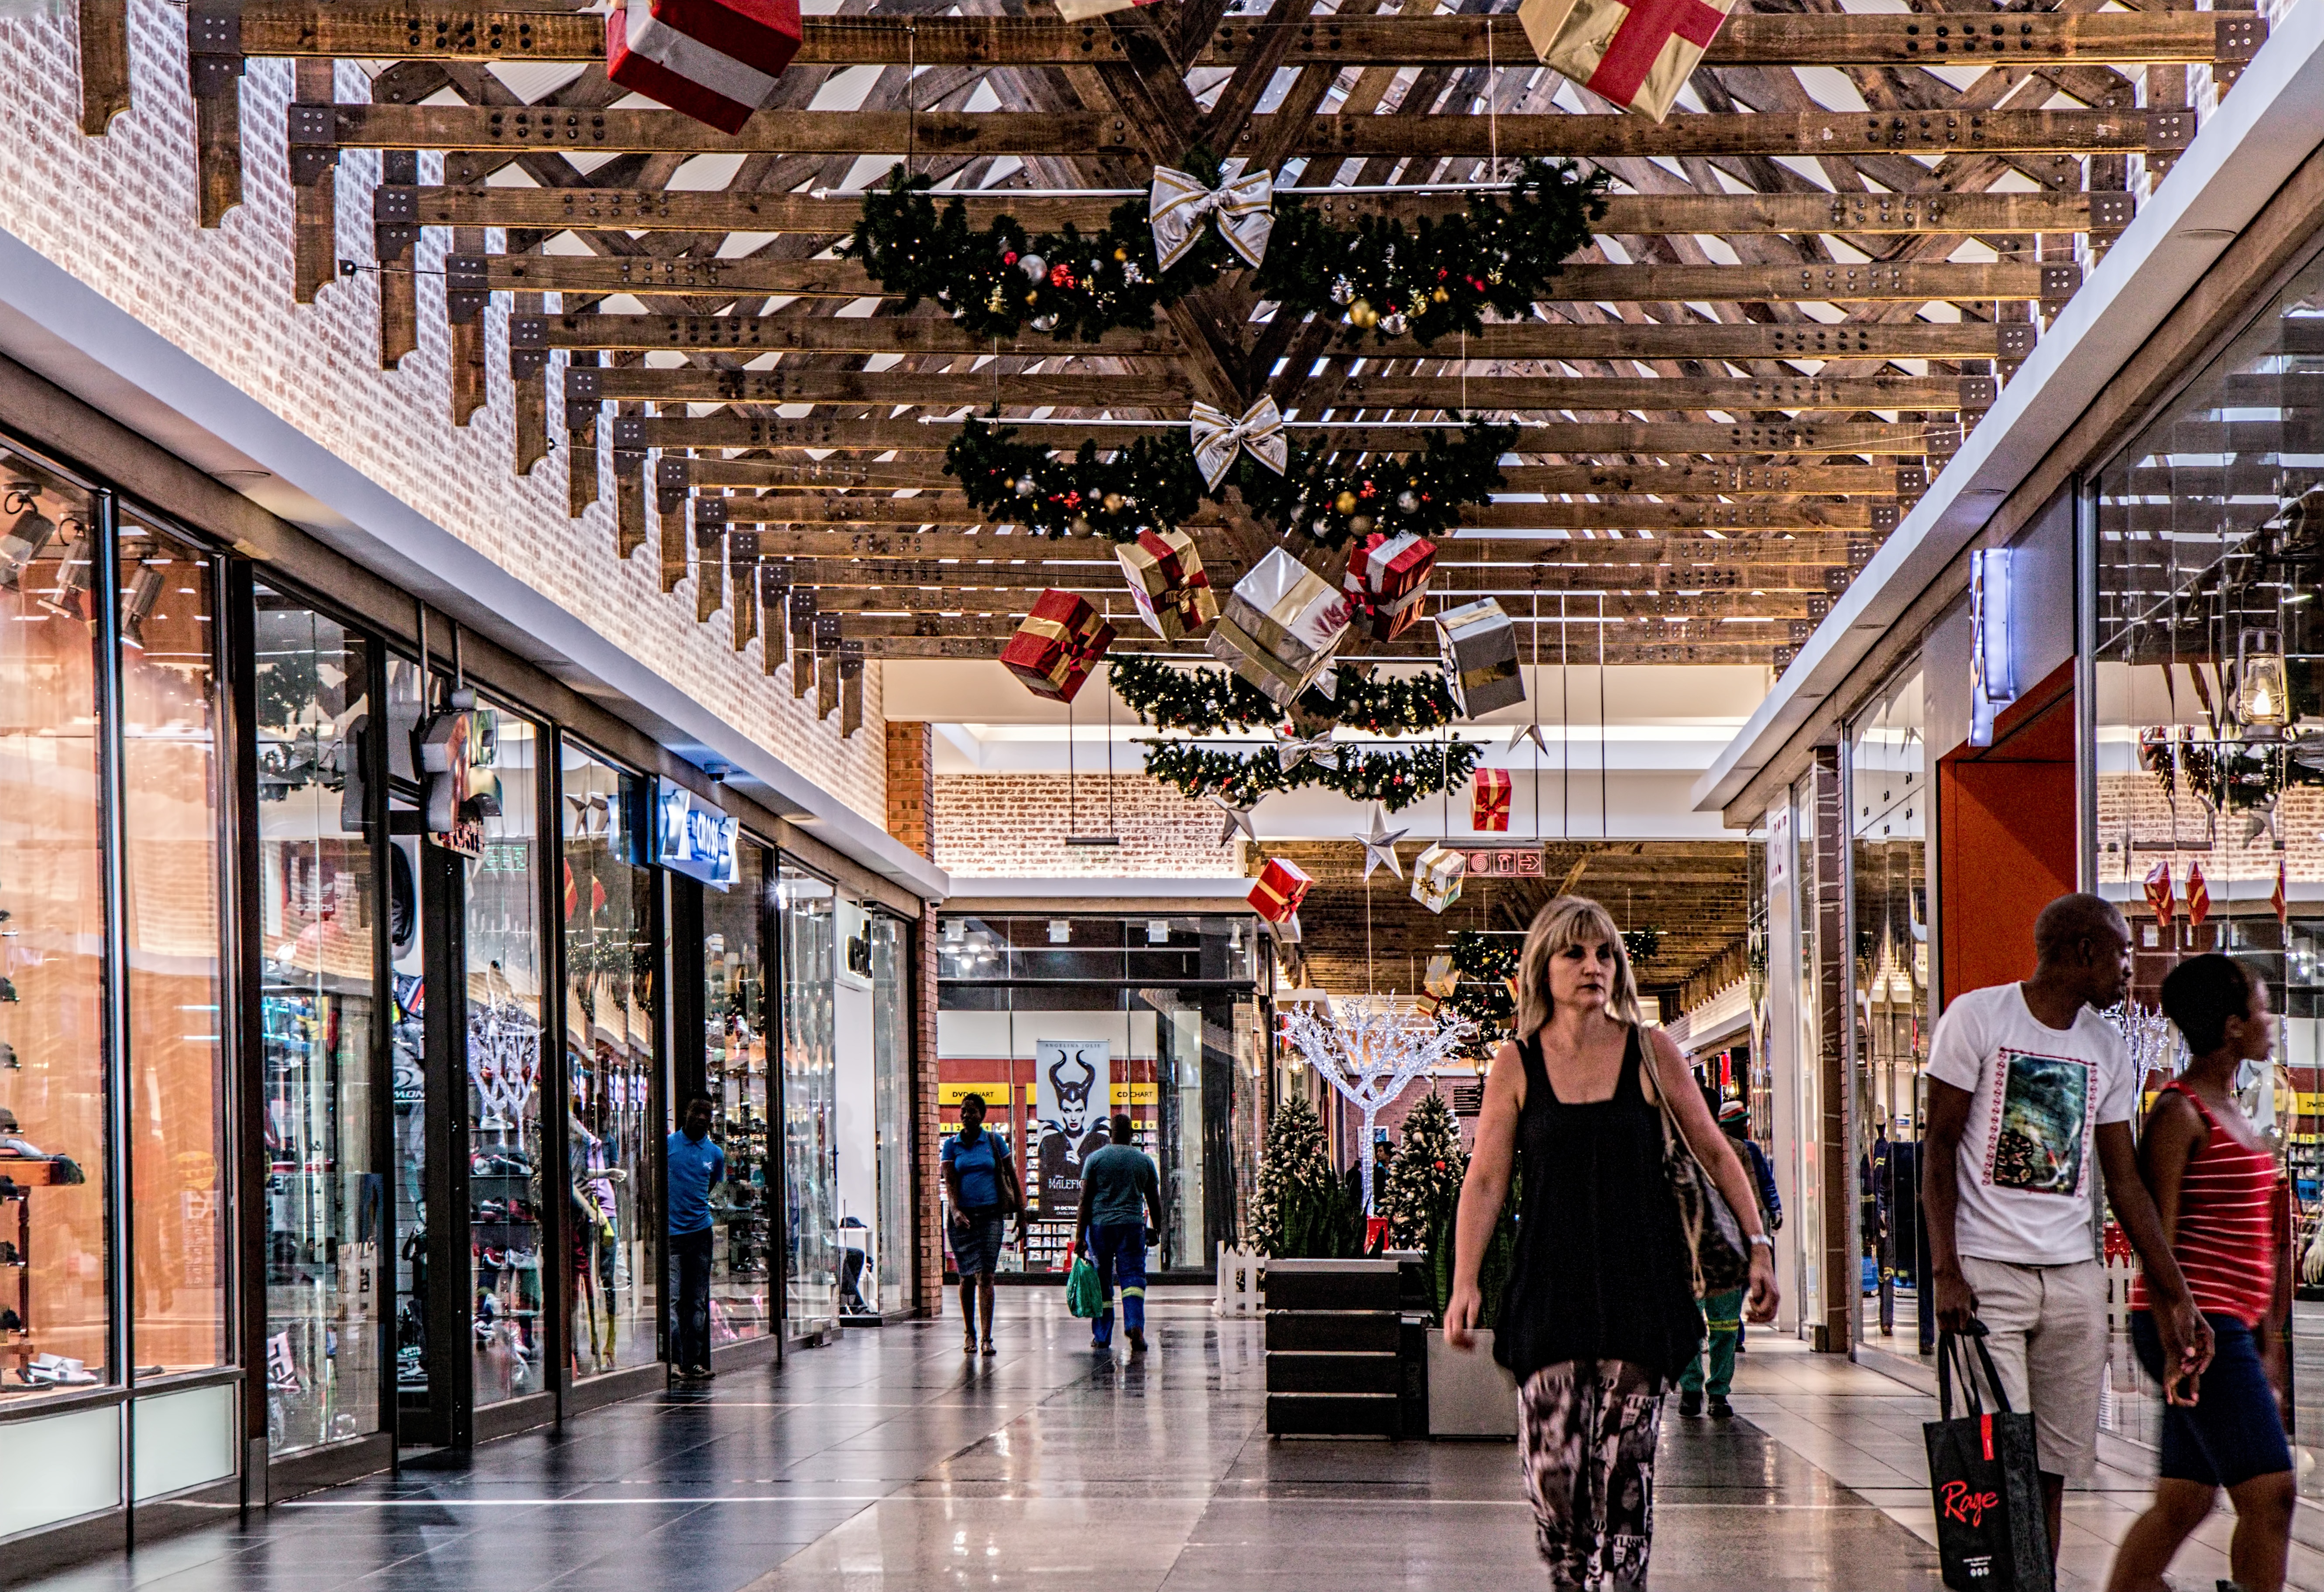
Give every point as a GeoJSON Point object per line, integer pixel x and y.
{"type": "Point", "coordinates": [1722, 1314]}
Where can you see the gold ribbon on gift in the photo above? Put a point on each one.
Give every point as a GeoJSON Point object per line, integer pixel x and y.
{"type": "Point", "coordinates": [1293, 751]}
{"type": "Point", "coordinates": [1245, 208]}
{"type": "Point", "coordinates": [1218, 435]}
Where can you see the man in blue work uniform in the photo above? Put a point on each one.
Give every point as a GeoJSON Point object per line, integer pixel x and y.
{"type": "Point", "coordinates": [696, 1166]}
{"type": "Point", "coordinates": [1120, 1186]}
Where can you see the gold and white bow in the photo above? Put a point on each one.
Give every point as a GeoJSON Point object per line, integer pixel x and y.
{"type": "Point", "coordinates": [1218, 436]}
{"type": "Point", "coordinates": [1245, 208]}
{"type": "Point", "coordinates": [1293, 751]}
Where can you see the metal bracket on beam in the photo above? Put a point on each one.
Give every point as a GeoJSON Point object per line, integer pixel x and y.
{"type": "Point", "coordinates": [394, 221]}
{"type": "Point", "coordinates": [2111, 212]}
{"type": "Point", "coordinates": [2059, 281]}
{"type": "Point", "coordinates": [2236, 36]}
{"type": "Point", "coordinates": [314, 138]}
{"type": "Point", "coordinates": [709, 519]}
{"type": "Point", "coordinates": [1835, 580]}
{"type": "Point", "coordinates": [826, 634]}
{"type": "Point", "coordinates": [1801, 630]}
{"type": "Point", "coordinates": [673, 473]}
{"type": "Point", "coordinates": [629, 445]}
{"type": "Point", "coordinates": [1943, 441]}
{"type": "Point", "coordinates": [774, 586]}
{"type": "Point", "coordinates": [2169, 131]}
{"type": "Point", "coordinates": [525, 363]}
{"type": "Point", "coordinates": [468, 287]}
{"type": "Point", "coordinates": [1979, 392]}
{"type": "Point", "coordinates": [1885, 516]}
{"type": "Point", "coordinates": [2014, 342]}
{"type": "Point", "coordinates": [742, 552]}
{"type": "Point", "coordinates": [213, 48]}
{"type": "Point", "coordinates": [802, 612]}
{"type": "Point", "coordinates": [1818, 606]}
{"type": "Point", "coordinates": [1912, 482]}
{"type": "Point", "coordinates": [1860, 552]}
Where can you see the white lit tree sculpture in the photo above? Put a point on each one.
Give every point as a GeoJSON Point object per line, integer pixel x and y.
{"type": "Point", "coordinates": [1370, 1050]}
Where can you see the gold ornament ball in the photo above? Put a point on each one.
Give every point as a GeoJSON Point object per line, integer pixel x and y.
{"type": "Point", "coordinates": [1441, 295]}
{"type": "Point", "coordinates": [1121, 253]}
{"type": "Point", "coordinates": [1361, 524]}
{"type": "Point", "coordinates": [1345, 502]}
{"type": "Point", "coordinates": [1363, 313]}
{"type": "Point", "coordinates": [1112, 500]}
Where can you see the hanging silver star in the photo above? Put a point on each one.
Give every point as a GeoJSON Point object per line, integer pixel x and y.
{"type": "Point", "coordinates": [1379, 845]}
{"type": "Point", "coordinates": [1525, 733]}
{"type": "Point", "coordinates": [1237, 818]}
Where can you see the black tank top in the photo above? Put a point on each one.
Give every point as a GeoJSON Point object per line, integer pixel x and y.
{"type": "Point", "coordinates": [1601, 1271]}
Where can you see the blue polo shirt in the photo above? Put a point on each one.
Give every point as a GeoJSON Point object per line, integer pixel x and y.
{"type": "Point", "coordinates": [979, 1165]}
{"type": "Point", "coordinates": [696, 1165]}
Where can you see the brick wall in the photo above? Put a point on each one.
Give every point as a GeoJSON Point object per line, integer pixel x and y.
{"type": "Point", "coordinates": [119, 211]}
{"type": "Point", "coordinates": [1016, 824]}
{"type": "Point", "coordinates": [911, 783]}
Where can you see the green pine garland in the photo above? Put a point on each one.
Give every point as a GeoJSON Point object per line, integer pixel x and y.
{"type": "Point", "coordinates": [1432, 280]}
{"type": "Point", "coordinates": [1204, 702]}
{"type": "Point", "coordinates": [1394, 779]}
{"type": "Point", "coordinates": [1153, 485]}
{"type": "Point", "coordinates": [1484, 960]}
{"type": "Point", "coordinates": [1641, 944]}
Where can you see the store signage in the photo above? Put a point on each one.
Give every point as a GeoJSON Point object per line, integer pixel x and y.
{"type": "Point", "coordinates": [1992, 681]}
{"type": "Point", "coordinates": [457, 749]}
{"type": "Point", "coordinates": [854, 928]}
{"type": "Point", "coordinates": [1504, 863]}
{"type": "Point", "coordinates": [694, 840]}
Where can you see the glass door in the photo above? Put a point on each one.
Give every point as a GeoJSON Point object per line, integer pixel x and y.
{"type": "Point", "coordinates": [806, 907]}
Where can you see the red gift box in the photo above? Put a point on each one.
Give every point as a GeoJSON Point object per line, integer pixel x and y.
{"type": "Point", "coordinates": [1390, 566]}
{"type": "Point", "coordinates": [714, 59]}
{"type": "Point", "coordinates": [1057, 645]}
{"type": "Point", "coordinates": [1280, 889]}
{"type": "Point", "coordinates": [1384, 620]}
{"type": "Point", "coordinates": [1489, 801]}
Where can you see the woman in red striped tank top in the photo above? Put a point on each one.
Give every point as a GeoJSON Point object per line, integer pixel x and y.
{"type": "Point", "coordinates": [2216, 1187]}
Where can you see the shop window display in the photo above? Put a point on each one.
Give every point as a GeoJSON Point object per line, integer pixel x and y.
{"type": "Point", "coordinates": [888, 1284]}
{"type": "Point", "coordinates": [54, 1319]}
{"type": "Point", "coordinates": [613, 1285]}
{"type": "Point", "coordinates": [315, 923]}
{"type": "Point", "coordinates": [806, 917]}
{"type": "Point", "coordinates": [170, 780]}
{"type": "Point", "coordinates": [2210, 759]}
{"type": "Point", "coordinates": [504, 1019]}
{"type": "Point", "coordinates": [736, 1078]}
{"type": "Point", "coordinates": [1888, 820]}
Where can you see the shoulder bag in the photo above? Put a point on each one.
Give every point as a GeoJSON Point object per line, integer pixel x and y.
{"type": "Point", "coordinates": [1719, 1258]}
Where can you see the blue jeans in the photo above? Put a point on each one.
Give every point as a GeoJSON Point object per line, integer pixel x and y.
{"type": "Point", "coordinates": [689, 1337]}
{"type": "Point", "coordinates": [1119, 1248]}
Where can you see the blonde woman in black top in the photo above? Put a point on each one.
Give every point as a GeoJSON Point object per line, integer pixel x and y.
{"type": "Point", "coordinates": [1599, 1315]}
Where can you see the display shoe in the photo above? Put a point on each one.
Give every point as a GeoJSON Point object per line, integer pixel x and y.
{"type": "Point", "coordinates": [1690, 1403]}
{"type": "Point", "coordinates": [1720, 1410]}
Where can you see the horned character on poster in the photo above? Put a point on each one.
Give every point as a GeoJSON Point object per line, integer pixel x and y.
{"type": "Point", "coordinates": [1072, 1092]}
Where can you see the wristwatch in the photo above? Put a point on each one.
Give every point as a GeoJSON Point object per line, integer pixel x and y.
{"type": "Point", "coordinates": [1760, 1241]}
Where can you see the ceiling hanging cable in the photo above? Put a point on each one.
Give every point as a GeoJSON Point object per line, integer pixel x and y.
{"type": "Point", "coordinates": [1603, 833]}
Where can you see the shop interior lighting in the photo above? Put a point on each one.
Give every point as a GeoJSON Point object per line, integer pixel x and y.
{"type": "Point", "coordinates": [1158, 930]}
{"type": "Point", "coordinates": [1061, 931]}
{"type": "Point", "coordinates": [2263, 705]}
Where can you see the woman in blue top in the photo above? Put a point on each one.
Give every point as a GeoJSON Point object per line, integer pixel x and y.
{"type": "Point", "coordinates": [984, 1194]}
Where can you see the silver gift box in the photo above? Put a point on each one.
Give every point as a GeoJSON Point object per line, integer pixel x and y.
{"type": "Point", "coordinates": [1480, 648]}
{"type": "Point", "coordinates": [1281, 626]}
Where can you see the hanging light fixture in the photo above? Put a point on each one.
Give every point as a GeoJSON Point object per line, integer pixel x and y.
{"type": "Point", "coordinates": [2262, 692]}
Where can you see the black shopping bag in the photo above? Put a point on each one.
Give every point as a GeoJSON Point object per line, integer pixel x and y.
{"type": "Point", "coordinates": [1984, 1480]}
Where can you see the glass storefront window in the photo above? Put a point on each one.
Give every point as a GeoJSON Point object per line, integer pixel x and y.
{"type": "Point", "coordinates": [505, 1017]}
{"type": "Point", "coordinates": [736, 1078]}
{"type": "Point", "coordinates": [314, 922]}
{"type": "Point", "coordinates": [805, 911]}
{"type": "Point", "coordinates": [1888, 820]}
{"type": "Point", "coordinates": [613, 1289]}
{"type": "Point", "coordinates": [407, 1045]}
{"type": "Point", "coordinates": [53, 1148]}
{"type": "Point", "coordinates": [170, 780]}
{"type": "Point", "coordinates": [886, 1286]}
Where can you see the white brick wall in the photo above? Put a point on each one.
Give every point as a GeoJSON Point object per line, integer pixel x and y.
{"type": "Point", "coordinates": [119, 213]}
{"type": "Point", "coordinates": [1014, 825]}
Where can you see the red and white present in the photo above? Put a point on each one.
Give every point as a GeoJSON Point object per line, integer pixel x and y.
{"type": "Point", "coordinates": [714, 59]}
{"type": "Point", "coordinates": [1281, 886]}
{"type": "Point", "coordinates": [1385, 567]}
{"type": "Point", "coordinates": [1385, 619]}
{"type": "Point", "coordinates": [1489, 801]}
{"type": "Point", "coordinates": [1637, 53]}
{"type": "Point", "coordinates": [1058, 644]}
{"type": "Point", "coordinates": [1166, 582]}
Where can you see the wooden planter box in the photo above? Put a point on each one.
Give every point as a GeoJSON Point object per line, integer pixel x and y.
{"type": "Point", "coordinates": [1469, 1392]}
{"type": "Point", "coordinates": [1339, 1362]}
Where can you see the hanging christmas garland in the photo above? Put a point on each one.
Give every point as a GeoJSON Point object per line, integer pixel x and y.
{"type": "Point", "coordinates": [1205, 701]}
{"type": "Point", "coordinates": [1486, 962]}
{"type": "Point", "coordinates": [1437, 278]}
{"type": "Point", "coordinates": [1641, 944]}
{"type": "Point", "coordinates": [1152, 484]}
{"type": "Point", "coordinates": [1394, 779]}
{"type": "Point", "coordinates": [1431, 280]}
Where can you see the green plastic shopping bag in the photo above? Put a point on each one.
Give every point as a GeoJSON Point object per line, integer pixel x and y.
{"type": "Point", "coordinates": [1084, 1297]}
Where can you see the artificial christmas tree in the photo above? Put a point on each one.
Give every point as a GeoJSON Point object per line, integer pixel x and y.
{"type": "Point", "coordinates": [1304, 1210]}
{"type": "Point", "coordinates": [1423, 1185]}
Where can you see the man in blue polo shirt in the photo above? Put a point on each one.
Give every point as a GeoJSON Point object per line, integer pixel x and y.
{"type": "Point", "coordinates": [696, 1166]}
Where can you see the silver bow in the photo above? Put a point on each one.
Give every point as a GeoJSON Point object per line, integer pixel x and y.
{"type": "Point", "coordinates": [1292, 751]}
{"type": "Point", "coordinates": [1245, 208]}
{"type": "Point", "coordinates": [1218, 434]}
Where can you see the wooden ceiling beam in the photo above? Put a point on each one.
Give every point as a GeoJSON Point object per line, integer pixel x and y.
{"type": "Point", "coordinates": [2062, 133]}
{"type": "Point", "coordinates": [588, 209]}
{"type": "Point", "coordinates": [751, 335]}
{"type": "Point", "coordinates": [1806, 437]}
{"type": "Point", "coordinates": [952, 508]}
{"type": "Point", "coordinates": [441, 30]}
{"type": "Point", "coordinates": [980, 639]}
{"type": "Point", "coordinates": [1008, 604]}
{"type": "Point", "coordinates": [1516, 582]}
{"type": "Point", "coordinates": [1832, 284]}
{"type": "Point", "coordinates": [1831, 549]}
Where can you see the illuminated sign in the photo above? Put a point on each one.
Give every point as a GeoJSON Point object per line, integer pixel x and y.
{"type": "Point", "coordinates": [694, 840]}
{"type": "Point", "coordinates": [1992, 681]}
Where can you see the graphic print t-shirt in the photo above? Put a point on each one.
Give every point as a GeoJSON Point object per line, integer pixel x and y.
{"type": "Point", "coordinates": [2039, 1095]}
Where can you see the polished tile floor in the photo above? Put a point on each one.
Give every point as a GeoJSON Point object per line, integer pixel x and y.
{"type": "Point", "coordinates": [889, 1463]}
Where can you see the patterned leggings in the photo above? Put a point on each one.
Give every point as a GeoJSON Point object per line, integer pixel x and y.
{"type": "Point", "coordinates": [1586, 1429]}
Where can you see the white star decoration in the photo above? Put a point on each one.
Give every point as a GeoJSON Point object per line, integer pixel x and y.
{"type": "Point", "coordinates": [1379, 845]}
{"type": "Point", "coordinates": [1525, 733]}
{"type": "Point", "coordinates": [1237, 818]}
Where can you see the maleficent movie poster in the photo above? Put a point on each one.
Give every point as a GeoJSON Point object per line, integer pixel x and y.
{"type": "Point", "coordinates": [1072, 1087]}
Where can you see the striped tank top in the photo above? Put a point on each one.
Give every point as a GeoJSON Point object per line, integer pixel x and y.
{"type": "Point", "coordinates": [2226, 1226]}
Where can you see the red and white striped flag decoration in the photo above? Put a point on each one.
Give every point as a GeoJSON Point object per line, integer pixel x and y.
{"type": "Point", "coordinates": [2277, 898]}
{"type": "Point", "coordinates": [2158, 893]}
{"type": "Point", "coordinates": [2199, 895]}
{"type": "Point", "coordinates": [714, 59]}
